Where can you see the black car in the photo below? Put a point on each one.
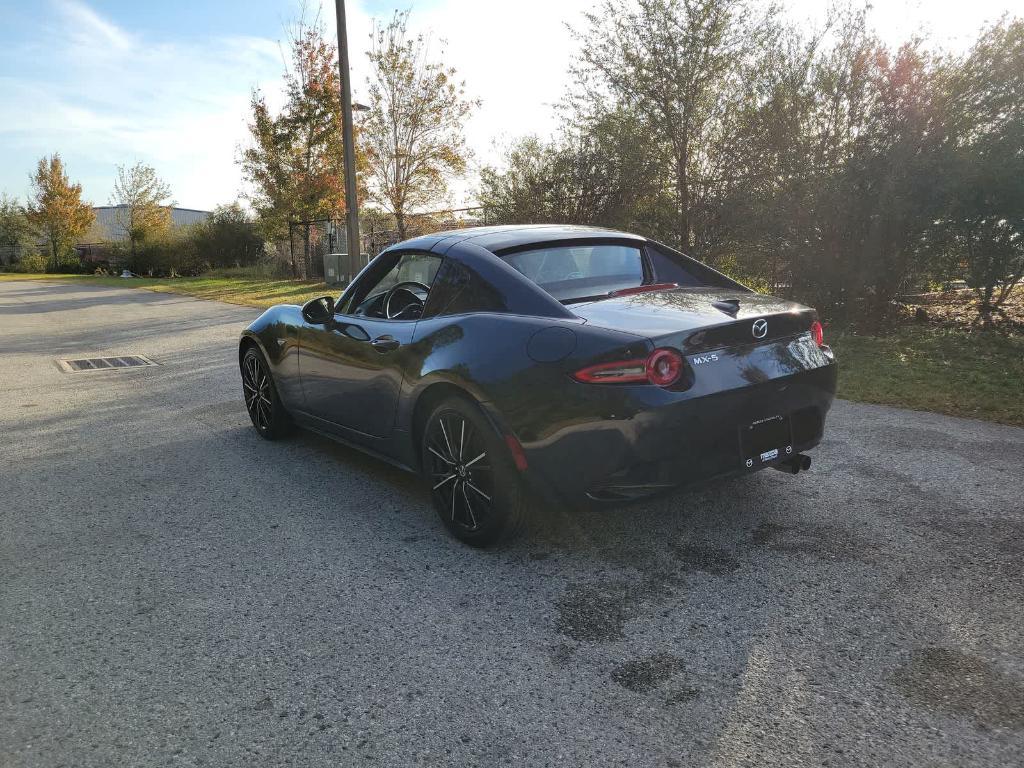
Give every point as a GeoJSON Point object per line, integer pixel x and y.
{"type": "Point", "coordinates": [574, 363]}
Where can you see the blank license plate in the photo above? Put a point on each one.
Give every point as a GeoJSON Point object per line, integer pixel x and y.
{"type": "Point", "coordinates": [766, 440]}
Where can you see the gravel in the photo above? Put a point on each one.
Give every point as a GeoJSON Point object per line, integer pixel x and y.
{"type": "Point", "coordinates": [176, 591]}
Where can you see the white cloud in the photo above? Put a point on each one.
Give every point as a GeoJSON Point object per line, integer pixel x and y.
{"type": "Point", "coordinates": [105, 97]}
{"type": "Point", "coordinates": [86, 27]}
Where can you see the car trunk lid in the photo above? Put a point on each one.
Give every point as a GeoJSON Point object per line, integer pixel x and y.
{"type": "Point", "coordinates": [696, 319]}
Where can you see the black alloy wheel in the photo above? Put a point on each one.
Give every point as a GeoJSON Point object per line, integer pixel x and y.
{"type": "Point", "coordinates": [473, 484]}
{"type": "Point", "coordinates": [261, 400]}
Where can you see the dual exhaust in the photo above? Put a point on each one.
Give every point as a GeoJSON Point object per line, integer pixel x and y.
{"type": "Point", "coordinates": [794, 464]}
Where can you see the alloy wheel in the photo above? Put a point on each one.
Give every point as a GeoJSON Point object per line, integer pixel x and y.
{"type": "Point", "coordinates": [462, 479]}
{"type": "Point", "coordinates": [256, 386]}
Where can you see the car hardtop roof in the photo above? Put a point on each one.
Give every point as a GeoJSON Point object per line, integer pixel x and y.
{"type": "Point", "coordinates": [505, 236]}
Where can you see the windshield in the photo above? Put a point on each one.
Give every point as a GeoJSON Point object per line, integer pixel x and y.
{"type": "Point", "coordinates": [580, 271]}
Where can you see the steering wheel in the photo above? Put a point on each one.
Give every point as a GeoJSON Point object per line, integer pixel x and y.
{"type": "Point", "coordinates": [403, 287]}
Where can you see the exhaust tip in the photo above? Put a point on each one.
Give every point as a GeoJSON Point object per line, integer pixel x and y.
{"type": "Point", "coordinates": [794, 464]}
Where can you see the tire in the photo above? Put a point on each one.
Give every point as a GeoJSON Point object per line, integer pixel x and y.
{"type": "Point", "coordinates": [470, 475]}
{"type": "Point", "coordinates": [268, 414]}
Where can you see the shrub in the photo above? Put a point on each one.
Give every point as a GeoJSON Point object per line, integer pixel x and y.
{"type": "Point", "coordinates": [170, 255]}
{"type": "Point", "coordinates": [30, 263]}
{"type": "Point", "coordinates": [67, 263]}
{"type": "Point", "coordinates": [228, 238]}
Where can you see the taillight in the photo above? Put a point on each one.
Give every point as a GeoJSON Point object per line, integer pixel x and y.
{"type": "Point", "coordinates": [662, 367]}
{"type": "Point", "coordinates": [818, 333]}
{"type": "Point", "coordinates": [621, 372]}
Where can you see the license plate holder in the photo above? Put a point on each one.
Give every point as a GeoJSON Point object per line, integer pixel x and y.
{"type": "Point", "coordinates": [766, 441]}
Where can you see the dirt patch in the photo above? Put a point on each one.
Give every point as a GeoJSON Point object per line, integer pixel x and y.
{"type": "Point", "coordinates": [824, 542]}
{"type": "Point", "coordinates": [988, 533]}
{"type": "Point", "coordinates": [961, 684]}
{"type": "Point", "coordinates": [959, 309]}
{"type": "Point", "coordinates": [596, 613]}
{"type": "Point", "coordinates": [561, 654]}
{"type": "Point", "coordinates": [706, 559]}
{"type": "Point", "coordinates": [684, 695]}
{"type": "Point", "coordinates": [644, 674]}
{"type": "Point", "coordinates": [994, 545]}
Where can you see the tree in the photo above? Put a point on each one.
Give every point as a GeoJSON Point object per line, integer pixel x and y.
{"type": "Point", "coordinates": [677, 64]}
{"type": "Point", "coordinates": [56, 210]}
{"type": "Point", "coordinates": [983, 226]}
{"type": "Point", "coordinates": [15, 230]}
{"type": "Point", "coordinates": [592, 173]}
{"type": "Point", "coordinates": [295, 163]}
{"type": "Point", "coordinates": [413, 132]}
{"type": "Point", "coordinates": [143, 204]}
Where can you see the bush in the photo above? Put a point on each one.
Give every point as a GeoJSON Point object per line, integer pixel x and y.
{"type": "Point", "coordinates": [68, 263]}
{"type": "Point", "coordinates": [35, 262]}
{"type": "Point", "coordinates": [228, 238]}
{"type": "Point", "coordinates": [169, 255]}
{"type": "Point", "coordinates": [30, 263]}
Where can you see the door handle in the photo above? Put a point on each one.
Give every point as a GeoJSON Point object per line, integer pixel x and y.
{"type": "Point", "coordinates": [385, 343]}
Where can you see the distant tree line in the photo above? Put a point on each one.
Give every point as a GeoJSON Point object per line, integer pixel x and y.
{"type": "Point", "coordinates": [42, 235]}
{"type": "Point", "coordinates": [820, 164]}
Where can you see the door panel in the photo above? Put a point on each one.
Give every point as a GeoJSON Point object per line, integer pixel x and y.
{"type": "Point", "coordinates": [353, 366]}
{"type": "Point", "coordinates": [352, 371]}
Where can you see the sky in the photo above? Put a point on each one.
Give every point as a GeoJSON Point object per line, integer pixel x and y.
{"type": "Point", "coordinates": [114, 82]}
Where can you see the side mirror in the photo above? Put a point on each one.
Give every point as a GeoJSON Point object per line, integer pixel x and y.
{"type": "Point", "coordinates": [318, 311]}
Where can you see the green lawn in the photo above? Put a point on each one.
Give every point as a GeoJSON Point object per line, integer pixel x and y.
{"type": "Point", "coordinates": [251, 292]}
{"type": "Point", "coordinates": [977, 374]}
{"type": "Point", "coordinates": [963, 373]}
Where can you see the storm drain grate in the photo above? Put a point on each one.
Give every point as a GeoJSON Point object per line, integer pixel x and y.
{"type": "Point", "coordinates": [103, 363]}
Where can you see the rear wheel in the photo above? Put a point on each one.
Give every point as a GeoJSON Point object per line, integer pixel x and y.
{"type": "Point", "coordinates": [261, 401]}
{"type": "Point", "coordinates": [472, 480]}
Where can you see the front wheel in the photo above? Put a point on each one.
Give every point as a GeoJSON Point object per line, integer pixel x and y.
{"type": "Point", "coordinates": [473, 482]}
{"type": "Point", "coordinates": [261, 401]}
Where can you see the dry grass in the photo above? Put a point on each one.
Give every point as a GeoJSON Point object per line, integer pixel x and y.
{"type": "Point", "coordinates": [959, 309]}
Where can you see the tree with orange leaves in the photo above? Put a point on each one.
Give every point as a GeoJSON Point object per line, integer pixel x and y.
{"type": "Point", "coordinates": [295, 163]}
{"type": "Point", "coordinates": [56, 209]}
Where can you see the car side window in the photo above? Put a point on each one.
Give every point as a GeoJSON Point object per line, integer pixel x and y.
{"type": "Point", "coordinates": [669, 266]}
{"type": "Point", "coordinates": [366, 298]}
{"type": "Point", "coordinates": [459, 290]}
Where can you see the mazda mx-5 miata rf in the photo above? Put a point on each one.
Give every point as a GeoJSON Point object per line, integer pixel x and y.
{"type": "Point", "coordinates": [572, 363]}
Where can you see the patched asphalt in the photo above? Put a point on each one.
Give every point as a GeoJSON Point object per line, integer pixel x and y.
{"type": "Point", "coordinates": [176, 591]}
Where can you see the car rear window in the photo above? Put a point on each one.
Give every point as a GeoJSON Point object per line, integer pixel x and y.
{"type": "Point", "coordinates": [581, 271]}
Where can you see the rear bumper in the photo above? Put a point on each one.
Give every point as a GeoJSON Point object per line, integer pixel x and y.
{"type": "Point", "coordinates": [618, 458]}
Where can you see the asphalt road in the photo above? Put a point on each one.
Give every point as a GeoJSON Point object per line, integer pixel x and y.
{"type": "Point", "coordinates": [176, 591]}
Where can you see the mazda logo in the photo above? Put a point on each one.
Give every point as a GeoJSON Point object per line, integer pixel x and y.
{"type": "Point", "coordinates": [760, 329]}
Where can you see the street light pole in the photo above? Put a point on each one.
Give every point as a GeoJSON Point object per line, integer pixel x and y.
{"type": "Point", "coordinates": [348, 136]}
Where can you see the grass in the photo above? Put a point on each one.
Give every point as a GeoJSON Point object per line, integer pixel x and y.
{"type": "Point", "coordinates": [947, 370]}
{"type": "Point", "coordinates": [249, 291]}
{"type": "Point", "coordinates": [977, 375]}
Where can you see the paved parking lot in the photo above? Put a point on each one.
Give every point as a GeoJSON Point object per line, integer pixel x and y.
{"type": "Point", "coordinates": [176, 591]}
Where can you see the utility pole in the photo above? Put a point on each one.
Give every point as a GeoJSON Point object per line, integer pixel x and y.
{"type": "Point", "coordinates": [348, 137]}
